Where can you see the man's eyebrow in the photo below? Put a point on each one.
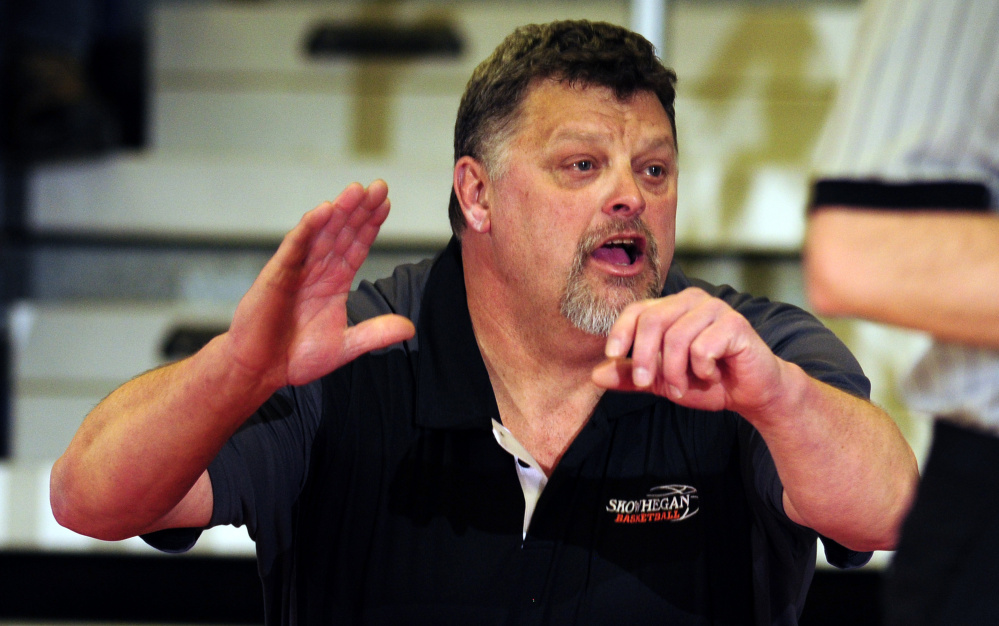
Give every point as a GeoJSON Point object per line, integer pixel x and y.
{"type": "Point", "coordinates": [660, 142]}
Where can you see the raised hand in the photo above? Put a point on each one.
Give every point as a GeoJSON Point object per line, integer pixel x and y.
{"type": "Point", "coordinates": [291, 326]}
{"type": "Point", "coordinates": [693, 349]}
{"type": "Point", "coordinates": [138, 462]}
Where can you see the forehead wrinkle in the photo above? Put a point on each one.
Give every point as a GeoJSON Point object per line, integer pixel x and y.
{"type": "Point", "coordinates": [652, 143]}
{"type": "Point", "coordinates": [569, 135]}
{"type": "Point", "coordinates": [629, 124]}
{"type": "Point", "coordinates": [626, 119]}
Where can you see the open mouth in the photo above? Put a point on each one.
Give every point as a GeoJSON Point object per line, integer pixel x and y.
{"type": "Point", "coordinates": [622, 251]}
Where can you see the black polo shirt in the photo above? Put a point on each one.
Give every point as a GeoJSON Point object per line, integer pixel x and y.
{"type": "Point", "coordinates": [379, 494]}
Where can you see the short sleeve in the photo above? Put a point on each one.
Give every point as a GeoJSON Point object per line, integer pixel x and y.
{"type": "Point", "coordinates": [796, 336]}
{"type": "Point", "coordinates": [260, 470]}
{"type": "Point", "coordinates": [784, 533]}
{"type": "Point", "coordinates": [173, 540]}
{"type": "Point", "coordinates": [919, 99]}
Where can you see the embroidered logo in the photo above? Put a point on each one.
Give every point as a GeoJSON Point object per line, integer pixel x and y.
{"type": "Point", "coordinates": [666, 503]}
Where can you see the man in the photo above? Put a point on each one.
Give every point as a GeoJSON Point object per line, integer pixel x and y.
{"type": "Point", "coordinates": [544, 439]}
{"type": "Point", "coordinates": [903, 231]}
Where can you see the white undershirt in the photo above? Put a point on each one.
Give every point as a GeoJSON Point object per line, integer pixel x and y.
{"type": "Point", "coordinates": [532, 477]}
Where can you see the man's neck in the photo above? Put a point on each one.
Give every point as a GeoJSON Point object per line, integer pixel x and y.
{"type": "Point", "coordinates": [540, 370]}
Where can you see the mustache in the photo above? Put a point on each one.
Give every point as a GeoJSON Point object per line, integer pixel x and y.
{"type": "Point", "coordinates": [594, 238]}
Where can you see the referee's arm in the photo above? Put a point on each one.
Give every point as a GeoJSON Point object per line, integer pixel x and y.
{"type": "Point", "coordinates": [929, 270]}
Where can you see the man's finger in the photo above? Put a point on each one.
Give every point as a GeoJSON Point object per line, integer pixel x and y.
{"type": "Point", "coordinates": [682, 336]}
{"type": "Point", "coordinates": [374, 334]}
{"type": "Point", "coordinates": [614, 374]}
{"type": "Point", "coordinates": [622, 333]}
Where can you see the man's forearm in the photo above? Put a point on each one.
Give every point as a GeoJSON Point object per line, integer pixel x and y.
{"type": "Point", "coordinates": [140, 451]}
{"type": "Point", "coordinates": [929, 271]}
{"type": "Point", "coordinates": [846, 468]}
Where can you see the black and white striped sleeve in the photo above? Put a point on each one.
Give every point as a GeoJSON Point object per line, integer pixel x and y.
{"type": "Point", "coordinates": [916, 120]}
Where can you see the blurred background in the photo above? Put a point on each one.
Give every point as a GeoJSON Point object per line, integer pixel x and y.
{"type": "Point", "coordinates": [154, 152]}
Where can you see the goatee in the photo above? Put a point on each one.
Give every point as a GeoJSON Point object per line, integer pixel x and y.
{"type": "Point", "coordinates": [593, 312]}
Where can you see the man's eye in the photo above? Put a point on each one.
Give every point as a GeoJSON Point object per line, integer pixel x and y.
{"type": "Point", "coordinates": [583, 165]}
{"type": "Point", "coordinates": [655, 171]}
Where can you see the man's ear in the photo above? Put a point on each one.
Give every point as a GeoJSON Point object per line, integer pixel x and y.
{"type": "Point", "coordinates": [472, 186]}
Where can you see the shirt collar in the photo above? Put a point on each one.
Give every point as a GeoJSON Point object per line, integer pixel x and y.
{"type": "Point", "coordinates": [453, 386]}
{"type": "Point", "coordinates": [454, 391]}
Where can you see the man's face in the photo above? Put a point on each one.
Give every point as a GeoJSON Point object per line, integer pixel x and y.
{"type": "Point", "coordinates": [584, 210]}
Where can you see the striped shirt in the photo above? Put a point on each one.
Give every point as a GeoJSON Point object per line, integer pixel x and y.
{"type": "Point", "coordinates": [916, 123]}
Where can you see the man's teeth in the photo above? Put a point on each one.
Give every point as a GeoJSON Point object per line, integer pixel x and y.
{"type": "Point", "coordinates": [620, 251]}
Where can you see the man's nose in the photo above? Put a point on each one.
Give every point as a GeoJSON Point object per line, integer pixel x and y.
{"type": "Point", "coordinates": [626, 199]}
